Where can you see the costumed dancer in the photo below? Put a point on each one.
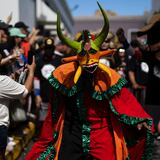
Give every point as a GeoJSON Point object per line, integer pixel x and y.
{"type": "Point", "coordinates": [92, 114]}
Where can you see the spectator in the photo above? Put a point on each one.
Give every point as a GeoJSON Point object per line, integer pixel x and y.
{"type": "Point", "coordinates": [29, 39]}
{"type": "Point", "coordinates": [59, 53]}
{"type": "Point", "coordinates": [44, 68]}
{"type": "Point", "coordinates": [123, 40]}
{"type": "Point", "coordinates": [5, 49]}
{"type": "Point", "coordinates": [152, 30]}
{"type": "Point", "coordinates": [17, 35]}
{"type": "Point", "coordinates": [3, 32]}
{"type": "Point", "coordinates": [10, 89]}
{"type": "Point", "coordinates": [120, 64]}
{"type": "Point", "coordinates": [111, 42]}
{"type": "Point", "coordinates": [138, 71]}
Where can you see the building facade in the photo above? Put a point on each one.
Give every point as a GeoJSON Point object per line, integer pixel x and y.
{"type": "Point", "coordinates": [130, 24]}
{"type": "Point", "coordinates": [33, 12]}
{"type": "Point", "coordinates": [155, 6]}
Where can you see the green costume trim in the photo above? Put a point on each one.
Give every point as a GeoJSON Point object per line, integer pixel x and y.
{"type": "Point", "coordinates": [50, 152]}
{"type": "Point", "coordinates": [86, 137]}
{"type": "Point", "coordinates": [111, 91]}
{"type": "Point", "coordinates": [95, 94]}
{"type": "Point", "coordinates": [147, 154]}
{"type": "Point", "coordinates": [85, 126]}
{"type": "Point", "coordinates": [55, 83]}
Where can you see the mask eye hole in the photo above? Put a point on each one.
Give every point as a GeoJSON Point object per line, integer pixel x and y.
{"type": "Point", "coordinates": [82, 53]}
{"type": "Point", "coordinates": [92, 51]}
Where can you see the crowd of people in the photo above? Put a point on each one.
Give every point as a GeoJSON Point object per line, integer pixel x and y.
{"type": "Point", "coordinates": [24, 87]}
{"type": "Point", "coordinates": [27, 59]}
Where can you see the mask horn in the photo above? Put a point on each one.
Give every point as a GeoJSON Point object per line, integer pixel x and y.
{"type": "Point", "coordinates": [107, 52]}
{"type": "Point", "coordinates": [69, 59]}
{"type": "Point", "coordinates": [104, 32]}
{"type": "Point", "coordinates": [73, 44]}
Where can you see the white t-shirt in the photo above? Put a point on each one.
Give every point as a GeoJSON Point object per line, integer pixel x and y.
{"type": "Point", "coordinates": [9, 89]}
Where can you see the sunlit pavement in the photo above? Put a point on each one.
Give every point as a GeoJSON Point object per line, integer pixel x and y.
{"type": "Point", "coordinates": [156, 150]}
{"type": "Point", "coordinates": [26, 150]}
{"type": "Point", "coordinates": [154, 111]}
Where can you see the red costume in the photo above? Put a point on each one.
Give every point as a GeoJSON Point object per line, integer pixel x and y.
{"type": "Point", "coordinates": [91, 114]}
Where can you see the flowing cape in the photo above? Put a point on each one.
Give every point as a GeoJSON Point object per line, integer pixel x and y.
{"type": "Point", "coordinates": [125, 114]}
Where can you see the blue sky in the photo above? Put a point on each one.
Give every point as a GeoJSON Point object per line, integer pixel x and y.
{"type": "Point", "coordinates": [121, 7]}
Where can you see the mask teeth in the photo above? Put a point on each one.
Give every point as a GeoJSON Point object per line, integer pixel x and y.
{"type": "Point", "coordinates": [92, 65]}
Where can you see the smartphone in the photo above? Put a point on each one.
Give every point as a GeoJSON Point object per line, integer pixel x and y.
{"type": "Point", "coordinates": [30, 57]}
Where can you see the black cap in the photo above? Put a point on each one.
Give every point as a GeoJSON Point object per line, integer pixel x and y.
{"type": "Point", "coordinates": [3, 25]}
{"type": "Point", "coordinates": [21, 24]}
{"type": "Point", "coordinates": [150, 24]}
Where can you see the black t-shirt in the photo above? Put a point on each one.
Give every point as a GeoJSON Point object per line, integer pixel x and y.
{"type": "Point", "coordinates": [43, 69]}
{"type": "Point", "coordinates": [140, 69]}
{"type": "Point", "coordinates": [153, 86]}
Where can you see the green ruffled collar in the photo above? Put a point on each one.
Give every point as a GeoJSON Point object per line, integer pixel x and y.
{"type": "Point", "coordinates": [95, 94]}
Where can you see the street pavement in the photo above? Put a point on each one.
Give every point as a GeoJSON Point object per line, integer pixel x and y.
{"type": "Point", "coordinates": [156, 150]}
{"type": "Point", "coordinates": [154, 111]}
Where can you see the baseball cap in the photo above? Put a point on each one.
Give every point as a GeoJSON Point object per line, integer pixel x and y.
{"type": "Point", "coordinates": [16, 32]}
{"type": "Point", "coordinates": [21, 24]}
{"type": "Point", "coordinates": [152, 21]}
{"type": "Point", "coordinates": [3, 25]}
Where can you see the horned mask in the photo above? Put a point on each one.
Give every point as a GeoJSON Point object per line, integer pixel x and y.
{"type": "Point", "coordinates": [87, 49]}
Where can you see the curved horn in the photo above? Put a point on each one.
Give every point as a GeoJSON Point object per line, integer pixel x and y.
{"type": "Point", "coordinates": [107, 52]}
{"type": "Point", "coordinates": [69, 59]}
{"type": "Point", "coordinates": [73, 44]}
{"type": "Point", "coordinates": [104, 32]}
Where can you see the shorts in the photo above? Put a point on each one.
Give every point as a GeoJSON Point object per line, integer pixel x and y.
{"type": "Point", "coordinates": [3, 137]}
